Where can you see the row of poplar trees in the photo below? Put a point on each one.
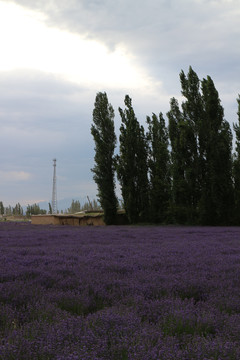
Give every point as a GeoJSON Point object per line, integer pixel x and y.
{"type": "Point", "coordinates": [181, 173]}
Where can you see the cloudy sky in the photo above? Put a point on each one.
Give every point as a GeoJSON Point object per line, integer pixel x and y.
{"type": "Point", "coordinates": [57, 54]}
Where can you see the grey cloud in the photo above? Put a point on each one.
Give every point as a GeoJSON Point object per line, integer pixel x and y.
{"type": "Point", "coordinates": [53, 117]}
{"type": "Point", "coordinates": [155, 20]}
{"type": "Point", "coordinates": [34, 99]}
{"type": "Point", "coordinates": [164, 36]}
{"type": "Point", "coordinates": [42, 117]}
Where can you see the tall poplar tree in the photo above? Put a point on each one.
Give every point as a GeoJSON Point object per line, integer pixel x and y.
{"type": "Point", "coordinates": [181, 138]}
{"type": "Point", "coordinates": [236, 168]}
{"type": "Point", "coordinates": [1, 208]}
{"type": "Point", "coordinates": [192, 107]}
{"type": "Point", "coordinates": [217, 192]}
{"type": "Point", "coordinates": [105, 139]}
{"type": "Point", "coordinates": [201, 143]}
{"type": "Point", "coordinates": [132, 165]}
{"type": "Point", "coordinates": [159, 168]}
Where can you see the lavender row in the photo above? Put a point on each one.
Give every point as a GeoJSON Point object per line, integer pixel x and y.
{"type": "Point", "coordinates": [119, 293]}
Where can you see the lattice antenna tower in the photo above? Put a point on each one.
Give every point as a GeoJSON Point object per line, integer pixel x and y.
{"type": "Point", "coordinates": [54, 190]}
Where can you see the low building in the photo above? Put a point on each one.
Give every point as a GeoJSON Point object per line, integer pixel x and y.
{"type": "Point", "coordinates": [60, 219]}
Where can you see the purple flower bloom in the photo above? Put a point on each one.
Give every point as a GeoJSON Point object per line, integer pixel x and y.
{"type": "Point", "coordinates": [119, 292]}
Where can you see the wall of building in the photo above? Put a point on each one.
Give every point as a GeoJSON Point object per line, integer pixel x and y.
{"type": "Point", "coordinates": [67, 220]}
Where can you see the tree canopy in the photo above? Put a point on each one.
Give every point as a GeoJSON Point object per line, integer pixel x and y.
{"type": "Point", "coordinates": [182, 172]}
{"type": "Point", "coordinates": [105, 139]}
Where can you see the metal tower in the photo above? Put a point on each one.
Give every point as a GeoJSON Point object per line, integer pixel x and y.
{"type": "Point", "coordinates": [54, 190]}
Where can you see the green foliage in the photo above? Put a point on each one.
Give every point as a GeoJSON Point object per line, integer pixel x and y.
{"type": "Point", "coordinates": [50, 208]}
{"type": "Point", "coordinates": [201, 143]}
{"type": "Point", "coordinates": [35, 210]}
{"type": "Point", "coordinates": [105, 140]}
{"type": "Point", "coordinates": [184, 173]}
{"type": "Point", "coordinates": [180, 137]}
{"type": "Point", "coordinates": [192, 108]}
{"type": "Point", "coordinates": [75, 207]}
{"type": "Point", "coordinates": [8, 210]}
{"type": "Point", "coordinates": [94, 204]}
{"type": "Point", "coordinates": [159, 169]}
{"type": "Point", "coordinates": [132, 167]}
{"type": "Point", "coordinates": [17, 210]}
{"type": "Point", "coordinates": [1, 208]}
{"type": "Point", "coordinates": [184, 129]}
{"type": "Point", "coordinates": [236, 168]}
{"type": "Point", "coordinates": [217, 191]}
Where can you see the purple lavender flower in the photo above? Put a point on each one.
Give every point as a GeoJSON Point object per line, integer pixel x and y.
{"type": "Point", "coordinates": [119, 292]}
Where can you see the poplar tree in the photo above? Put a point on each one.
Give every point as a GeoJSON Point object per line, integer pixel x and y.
{"type": "Point", "coordinates": [1, 208]}
{"type": "Point", "coordinates": [180, 135]}
{"type": "Point", "coordinates": [75, 207]}
{"type": "Point", "coordinates": [34, 210]}
{"type": "Point", "coordinates": [17, 210]}
{"type": "Point", "coordinates": [236, 168]}
{"type": "Point", "coordinates": [105, 139]}
{"type": "Point", "coordinates": [132, 165]}
{"type": "Point", "coordinates": [217, 192]}
{"type": "Point", "coordinates": [159, 168]}
{"type": "Point", "coordinates": [192, 108]}
{"type": "Point", "coordinates": [201, 144]}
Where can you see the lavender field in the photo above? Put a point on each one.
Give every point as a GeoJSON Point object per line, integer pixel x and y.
{"type": "Point", "coordinates": [119, 292]}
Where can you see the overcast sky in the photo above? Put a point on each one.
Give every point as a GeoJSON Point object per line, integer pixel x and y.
{"type": "Point", "coordinates": [57, 54]}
